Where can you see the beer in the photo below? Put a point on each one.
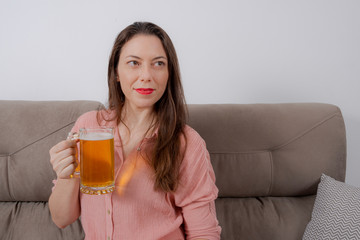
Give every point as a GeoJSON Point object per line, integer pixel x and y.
{"type": "Point", "coordinates": [96, 161]}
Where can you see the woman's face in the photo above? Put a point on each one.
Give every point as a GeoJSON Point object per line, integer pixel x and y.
{"type": "Point", "coordinates": [143, 71]}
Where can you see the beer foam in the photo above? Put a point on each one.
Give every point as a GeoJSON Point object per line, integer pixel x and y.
{"type": "Point", "coordinates": [95, 136]}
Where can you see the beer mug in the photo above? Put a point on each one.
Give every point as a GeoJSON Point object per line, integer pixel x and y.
{"type": "Point", "coordinates": [96, 165]}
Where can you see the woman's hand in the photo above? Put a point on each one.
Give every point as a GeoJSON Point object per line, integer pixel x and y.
{"type": "Point", "coordinates": [63, 158]}
{"type": "Point", "coordinates": [64, 200]}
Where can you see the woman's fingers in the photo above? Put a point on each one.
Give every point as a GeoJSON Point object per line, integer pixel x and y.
{"type": "Point", "coordinates": [65, 166]}
{"type": "Point", "coordinates": [62, 146]}
{"type": "Point", "coordinates": [67, 170]}
{"type": "Point", "coordinates": [62, 158]}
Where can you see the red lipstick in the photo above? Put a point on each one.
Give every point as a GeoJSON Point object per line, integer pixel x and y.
{"type": "Point", "coordinates": [144, 91]}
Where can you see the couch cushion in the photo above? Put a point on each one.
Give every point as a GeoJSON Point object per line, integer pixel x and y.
{"type": "Point", "coordinates": [32, 220]}
{"type": "Point", "coordinates": [336, 213]}
{"type": "Point", "coordinates": [235, 171]}
{"type": "Point", "coordinates": [265, 218]}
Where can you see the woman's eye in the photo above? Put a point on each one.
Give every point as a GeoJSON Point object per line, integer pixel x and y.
{"type": "Point", "coordinates": [159, 63]}
{"type": "Point", "coordinates": [133, 63]}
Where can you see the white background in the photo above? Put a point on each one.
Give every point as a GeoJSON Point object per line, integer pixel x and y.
{"type": "Point", "coordinates": [254, 51]}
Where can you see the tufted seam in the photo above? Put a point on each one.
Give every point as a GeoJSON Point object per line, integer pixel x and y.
{"type": "Point", "coordinates": [271, 173]}
{"type": "Point", "coordinates": [239, 152]}
{"type": "Point", "coordinates": [9, 156]}
{"type": "Point", "coordinates": [8, 177]}
{"type": "Point", "coordinates": [337, 114]}
{"type": "Point", "coordinates": [57, 130]}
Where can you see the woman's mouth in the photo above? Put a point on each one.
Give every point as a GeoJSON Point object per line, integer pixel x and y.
{"type": "Point", "coordinates": [144, 91]}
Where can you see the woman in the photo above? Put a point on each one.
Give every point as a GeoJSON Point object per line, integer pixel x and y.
{"type": "Point", "coordinates": [165, 184]}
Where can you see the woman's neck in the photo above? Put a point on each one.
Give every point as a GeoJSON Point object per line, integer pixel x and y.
{"type": "Point", "coordinates": [138, 120]}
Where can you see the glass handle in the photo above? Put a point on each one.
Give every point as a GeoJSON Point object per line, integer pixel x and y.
{"type": "Point", "coordinates": [75, 136]}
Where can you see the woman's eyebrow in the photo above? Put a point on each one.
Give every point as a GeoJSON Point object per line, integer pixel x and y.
{"type": "Point", "coordinates": [160, 57]}
{"type": "Point", "coordinates": [155, 58]}
{"type": "Point", "coordinates": [133, 56]}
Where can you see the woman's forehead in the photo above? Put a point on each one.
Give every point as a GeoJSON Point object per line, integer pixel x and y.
{"type": "Point", "coordinates": [142, 45]}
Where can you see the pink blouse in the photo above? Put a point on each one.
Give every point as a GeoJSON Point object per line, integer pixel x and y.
{"type": "Point", "coordinates": [135, 210]}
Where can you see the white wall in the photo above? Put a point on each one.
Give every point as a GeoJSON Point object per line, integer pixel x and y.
{"type": "Point", "coordinates": [254, 51]}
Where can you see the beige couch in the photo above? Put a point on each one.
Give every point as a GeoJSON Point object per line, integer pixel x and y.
{"type": "Point", "coordinates": [268, 159]}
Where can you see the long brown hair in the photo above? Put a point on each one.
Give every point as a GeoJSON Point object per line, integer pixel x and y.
{"type": "Point", "coordinates": [170, 110]}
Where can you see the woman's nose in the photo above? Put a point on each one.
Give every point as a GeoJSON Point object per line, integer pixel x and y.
{"type": "Point", "coordinates": [146, 75]}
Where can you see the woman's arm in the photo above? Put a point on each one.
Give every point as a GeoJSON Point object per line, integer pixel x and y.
{"type": "Point", "coordinates": [197, 191]}
{"type": "Point", "coordinates": [64, 203]}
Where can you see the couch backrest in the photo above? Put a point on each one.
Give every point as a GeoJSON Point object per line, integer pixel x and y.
{"type": "Point", "coordinates": [268, 160]}
{"type": "Point", "coordinates": [272, 149]}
